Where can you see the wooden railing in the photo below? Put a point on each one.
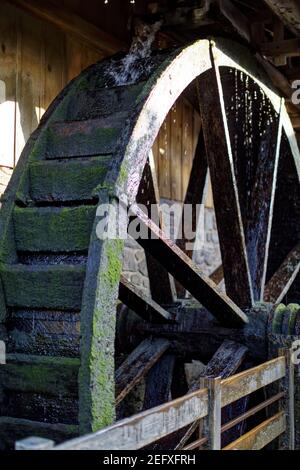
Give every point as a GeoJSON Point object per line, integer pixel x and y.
{"type": "Point", "coordinates": [203, 406]}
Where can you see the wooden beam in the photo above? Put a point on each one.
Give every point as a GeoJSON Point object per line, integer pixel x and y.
{"type": "Point", "coordinates": [138, 431]}
{"type": "Point", "coordinates": [70, 23]}
{"type": "Point", "coordinates": [159, 381]}
{"type": "Point", "coordinates": [137, 365]}
{"type": "Point", "coordinates": [225, 188]}
{"type": "Point", "coordinates": [279, 284]}
{"type": "Point", "coordinates": [142, 305]}
{"type": "Point", "coordinates": [238, 20]}
{"type": "Point", "coordinates": [249, 381]}
{"type": "Point", "coordinates": [261, 435]}
{"type": "Point", "coordinates": [277, 78]}
{"type": "Point", "coordinates": [187, 272]}
{"type": "Point", "coordinates": [287, 47]}
{"type": "Point", "coordinates": [288, 11]}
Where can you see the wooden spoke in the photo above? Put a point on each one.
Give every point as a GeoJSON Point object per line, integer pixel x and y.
{"type": "Point", "coordinates": [225, 191]}
{"type": "Point", "coordinates": [224, 363]}
{"type": "Point", "coordinates": [188, 273]}
{"type": "Point", "coordinates": [285, 233]}
{"type": "Point", "coordinates": [280, 283]}
{"type": "Point", "coordinates": [161, 286]}
{"type": "Point", "coordinates": [159, 381]}
{"type": "Point", "coordinates": [261, 208]}
{"type": "Point", "coordinates": [142, 305]}
{"type": "Point", "coordinates": [255, 149]}
{"type": "Point", "coordinates": [137, 365]}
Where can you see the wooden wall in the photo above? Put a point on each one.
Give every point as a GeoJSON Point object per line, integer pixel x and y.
{"type": "Point", "coordinates": [174, 150]}
{"type": "Point", "coordinates": [36, 62]}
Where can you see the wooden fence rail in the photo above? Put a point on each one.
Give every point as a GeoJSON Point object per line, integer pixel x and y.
{"type": "Point", "coordinates": [205, 404]}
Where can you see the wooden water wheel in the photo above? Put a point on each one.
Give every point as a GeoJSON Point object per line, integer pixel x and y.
{"type": "Point", "coordinates": [61, 283]}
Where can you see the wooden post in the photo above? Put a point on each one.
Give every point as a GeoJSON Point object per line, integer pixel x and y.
{"type": "Point", "coordinates": [287, 440]}
{"type": "Point", "coordinates": [34, 443]}
{"type": "Point", "coordinates": [212, 426]}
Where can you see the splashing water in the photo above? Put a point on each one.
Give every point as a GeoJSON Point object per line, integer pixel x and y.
{"type": "Point", "coordinates": [133, 65]}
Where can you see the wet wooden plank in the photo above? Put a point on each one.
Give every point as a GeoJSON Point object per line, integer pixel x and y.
{"type": "Point", "coordinates": [137, 365]}
{"type": "Point", "coordinates": [147, 427]}
{"type": "Point", "coordinates": [225, 191]}
{"type": "Point", "coordinates": [158, 383]}
{"type": "Point", "coordinates": [143, 306]}
{"type": "Point", "coordinates": [234, 388]}
{"type": "Point", "coordinates": [225, 361]}
{"type": "Point", "coordinates": [261, 435]}
{"type": "Point", "coordinates": [262, 204]}
{"type": "Point", "coordinates": [279, 284]}
{"type": "Point", "coordinates": [188, 273]}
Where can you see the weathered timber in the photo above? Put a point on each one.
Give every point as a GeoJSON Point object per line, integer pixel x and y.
{"type": "Point", "coordinates": [55, 376]}
{"type": "Point", "coordinates": [147, 427]}
{"type": "Point", "coordinates": [43, 332]}
{"type": "Point", "coordinates": [188, 273]}
{"type": "Point", "coordinates": [288, 11]}
{"type": "Point", "coordinates": [224, 363]}
{"type": "Point", "coordinates": [287, 405]}
{"type": "Point", "coordinates": [159, 381]}
{"type": "Point", "coordinates": [278, 286]}
{"type": "Point", "coordinates": [234, 388]}
{"type": "Point", "coordinates": [237, 18]}
{"type": "Point", "coordinates": [285, 230]}
{"type": "Point", "coordinates": [137, 365]}
{"type": "Point", "coordinates": [287, 47]}
{"type": "Point", "coordinates": [256, 174]}
{"type": "Point", "coordinates": [67, 180]}
{"type": "Point", "coordinates": [51, 229]}
{"type": "Point", "coordinates": [142, 305]}
{"type": "Point", "coordinates": [196, 323]}
{"type": "Point", "coordinates": [81, 139]}
{"type": "Point", "coordinates": [43, 286]}
{"type": "Point", "coordinates": [106, 101]}
{"type": "Point", "coordinates": [225, 191]}
{"type": "Point", "coordinates": [261, 435]}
